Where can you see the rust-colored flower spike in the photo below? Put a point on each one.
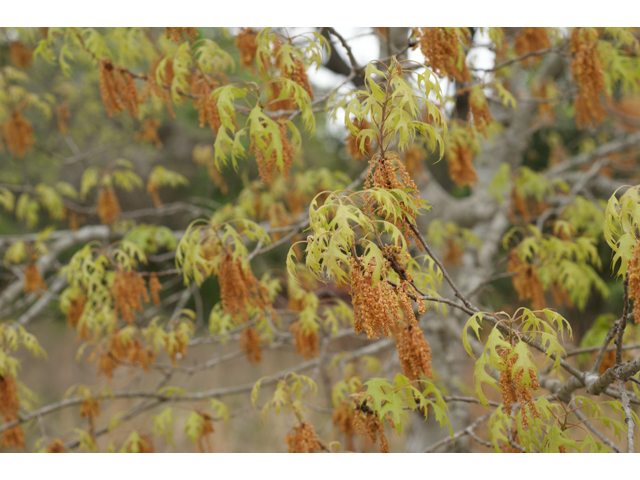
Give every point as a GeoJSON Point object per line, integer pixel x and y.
{"type": "Point", "coordinates": [531, 39]}
{"type": "Point", "coordinates": [207, 107]}
{"type": "Point", "coordinates": [414, 352]}
{"type": "Point", "coordinates": [108, 206]}
{"type": "Point", "coordinates": [299, 75]}
{"type": "Point", "coordinates": [239, 288]}
{"type": "Point", "coordinates": [182, 34]}
{"type": "Point", "coordinates": [63, 114]}
{"type": "Point", "coordinates": [118, 89]}
{"type": "Point", "coordinates": [266, 167]}
{"type": "Point", "coordinates": [519, 206]}
{"type": "Point", "coordinates": [20, 55]}
{"type": "Point", "coordinates": [127, 290]}
{"type": "Point", "coordinates": [155, 287]}
{"type": "Point", "coordinates": [246, 43]}
{"type": "Point", "coordinates": [441, 49]}
{"type": "Point", "coordinates": [586, 68]}
{"type": "Point", "coordinates": [90, 409]}
{"type": "Point", "coordinates": [56, 447]}
{"type": "Point", "coordinates": [118, 351]}
{"type": "Point", "coordinates": [369, 424]}
{"type": "Point", "coordinates": [273, 94]}
{"type": "Point", "coordinates": [389, 172]}
{"type": "Point", "coordinates": [207, 430]}
{"type": "Point", "coordinates": [303, 439]}
{"type": "Point", "coordinates": [634, 282]}
{"type": "Point", "coordinates": [9, 406]}
{"type": "Point", "coordinates": [306, 341]}
{"type": "Point", "coordinates": [152, 88]}
{"type": "Point", "coordinates": [526, 281]}
{"type": "Point", "coordinates": [18, 134]}
{"type": "Point", "coordinates": [375, 307]}
{"type": "Point", "coordinates": [353, 146]}
{"type": "Point", "coordinates": [250, 344]}
{"type": "Point", "coordinates": [514, 391]}
{"type": "Point", "coordinates": [149, 132]}
{"type": "Point", "coordinates": [343, 418]}
{"type": "Point", "coordinates": [33, 281]}
{"type": "Point", "coordinates": [76, 310]}
{"type": "Point", "coordinates": [460, 163]}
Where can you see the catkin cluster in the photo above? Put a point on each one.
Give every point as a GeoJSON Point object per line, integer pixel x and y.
{"type": "Point", "coordinates": [239, 288]}
{"type": "Point", "coordinates": [75, 311]}
{"type": "Point", "coordinates": [118, 89]}
{"type": "Point", "coordinates": [154, 88]}
{"type": "Point", "coordinates": [56, 447]}
{"type": "Point", "coordinates": [18, 134]}
{"type": "Point", "coordinates": [246, 43]}
{"type": "Point", "coordinates": [128, 291]}
{"type": "Point", "coordinates": [33, 281]}
{"type": "Point", "coordinates": [343, 418]}
{"type": "Point", "coordinates": [9, 406]}
{"type": "Point", "coordinates": [442, 51]}
{"type": "Point", "coordinates": [634, 282]}
{"type": "Point", "coordinates": [267, 167]}
{"type": "Point", "coordinates": [388, 172]}
{"type": "Point", "coordinates": [514, 390]}
{"type": "Point", "coordinates": [149, 132]}
{"type": "Point", "coordinates": [250, 344]}
{"type": "Point", "coordinates": [20, 55]}
{"type": "Point", "coordinates": [181, 34]}
{"type": "Point", "coordinates": [120, 349]}
{"type": "Point", "coordinates": [305, 340]}
{"type": "Point", "coordinates": [206, 106]}
{"type": "Point", "coordinates": [206, 429]}
{"type": "Point", "coordinates": [375, 306]}
{"type": "Point", "coordinates": [531, 39]}
{"type": "Point", "coordinates": [303, 439]}
{"type": "Point", "coordinates": [414, 352]}
{"type": "Point", "coordinates": [108, 206]}
{"type": "Point", "coordinates": [460, 163]}
{"type": "Point", "coordinates": [586, 67]}
{"type": "Point", "coordinates": [369, 424]}
{"type": "Point", "coordinates": [526, 281]}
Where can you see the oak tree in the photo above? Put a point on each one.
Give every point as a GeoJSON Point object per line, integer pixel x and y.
{"type": "Point", "coordinates": [213, 239]}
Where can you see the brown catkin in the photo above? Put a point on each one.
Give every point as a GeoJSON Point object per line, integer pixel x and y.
{"type": "Point", "coordinates": [531, 39]}
{"type": "Point", "coordinates": [246, 43]}
{"type": "Point", "coordinates": [586, 68]}
{"type": "Point", "coordinates": [526, 281]}
{"type": "Point", "coordinates": [250, 344]}
{"type": "Point", "coordinates": [354, 145]}
{"type": "Point", "coordinates": [306, 341]}
{"type": "Point", "coordinates": [442, 51]}
{"type": "Point", "coordinates": [414, 352]}
{"type": "Point", "coordinates": [634, 282]}
{"type": "Point", "coordinates": [18, 134]}
{"type": "Point", "coordinates": [20, 55]}
{"type": "Point", "coordinates": [108, 206]}
{"type": "Point", "coordinates": [375, 306]}
{"type": "Point", "coordinates": [303, 439]}
{"type": "Point", "coordinates": [33, 281]}
{"type": "Point", "coordinates": [9, 405]}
